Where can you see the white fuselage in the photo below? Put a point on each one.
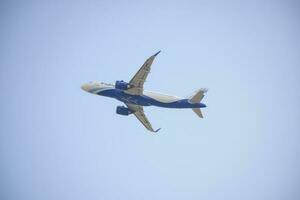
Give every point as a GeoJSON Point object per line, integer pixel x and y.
{"type": "Point", "coordinates": [148, 98]}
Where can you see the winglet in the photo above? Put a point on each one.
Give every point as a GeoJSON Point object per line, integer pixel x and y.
{"type": "Point", "coordinates": [157, 53]}
{"type": "Point", "coordinates": [157, 130]}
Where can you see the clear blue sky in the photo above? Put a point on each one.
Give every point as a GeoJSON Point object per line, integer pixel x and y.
{"type": "Point", "coordinates": [58, 142]}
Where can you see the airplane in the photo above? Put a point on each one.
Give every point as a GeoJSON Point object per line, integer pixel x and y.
{"type": "Point", "coordinates": [133, 95]}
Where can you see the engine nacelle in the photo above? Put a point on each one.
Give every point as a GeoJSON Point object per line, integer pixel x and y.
{"type": "Point", "coordinates": [122, 110]}
{"type": "Point", "coordinates": [122, 85]}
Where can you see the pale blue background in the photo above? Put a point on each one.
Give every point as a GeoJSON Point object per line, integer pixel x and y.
{"type": "Point", "coordinates": [58, 142]}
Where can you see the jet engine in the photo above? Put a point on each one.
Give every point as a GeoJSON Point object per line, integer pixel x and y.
{"type": "Point", "coordinates": [122, 110]}
{"type": "Point", "coordinates": [122, 85]}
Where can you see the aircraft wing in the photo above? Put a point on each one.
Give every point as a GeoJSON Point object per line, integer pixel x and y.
{"type": "Point", "coordinates": [137, 82]}
{"type": "Point", "coordinates": [138, 111]}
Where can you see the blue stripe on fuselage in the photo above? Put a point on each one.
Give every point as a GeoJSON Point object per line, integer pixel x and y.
{"type": "Point", "coordinates": [146, 100]}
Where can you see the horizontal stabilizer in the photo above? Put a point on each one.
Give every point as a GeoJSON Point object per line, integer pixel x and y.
{"type": "Point", "coordinates": [198, 112]}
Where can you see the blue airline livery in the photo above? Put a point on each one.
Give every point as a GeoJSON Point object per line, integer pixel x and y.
{"type": "Point", "coordinates": [135, 97]}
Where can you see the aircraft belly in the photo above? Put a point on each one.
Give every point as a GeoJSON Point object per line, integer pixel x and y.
{"type": "Point", "coordinates": [183, 103]}
{"type": "Point", "coordinates": [135, 99]}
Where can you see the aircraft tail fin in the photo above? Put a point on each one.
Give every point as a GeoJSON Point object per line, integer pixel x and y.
{"type": "Point", "coordinates": [198, 95]}
{"type": "Point", "coordinates": [196, 98]}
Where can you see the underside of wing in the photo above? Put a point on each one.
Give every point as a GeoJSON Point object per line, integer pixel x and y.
{"type": "Point", "coordinates": [137, 82]}
{"type": "Point", "coordinates": [138, 111]}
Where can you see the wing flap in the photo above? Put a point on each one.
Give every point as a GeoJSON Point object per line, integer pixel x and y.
{"type": "Point", "coordinates": [138, 111]}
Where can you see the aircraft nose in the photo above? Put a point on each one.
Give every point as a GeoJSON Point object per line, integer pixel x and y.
{"type": "Point", "coordinates": [86, 87]}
